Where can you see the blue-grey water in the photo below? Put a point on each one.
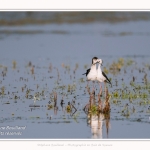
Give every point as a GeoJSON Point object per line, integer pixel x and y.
{"type": "Point", "coordinates": [54, 49]}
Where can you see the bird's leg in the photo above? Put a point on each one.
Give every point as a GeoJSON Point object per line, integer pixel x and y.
{"type": "Point", "coordinates": [100, 88]}
{"type": "Point", "coordinates": [93, 86]}
{"type": "Point", "coordinates": [105, 89]}
{"type": "Point", "coordinates": [87, 83]}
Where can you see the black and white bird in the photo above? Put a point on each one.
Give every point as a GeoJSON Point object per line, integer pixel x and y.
{"type": "Point", "coordinates": [101, 76]}
{"type": "Point", "coordinates": [91, 73]}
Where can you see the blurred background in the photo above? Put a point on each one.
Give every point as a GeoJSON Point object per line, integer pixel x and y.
{"type": "Point", "coordinates": [33, 17]}
{"type": "Point", "coordinates": [85, 33]}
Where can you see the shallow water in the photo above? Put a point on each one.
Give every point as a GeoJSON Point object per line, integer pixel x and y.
{"type": "Point", "coordinates": [55, 50]}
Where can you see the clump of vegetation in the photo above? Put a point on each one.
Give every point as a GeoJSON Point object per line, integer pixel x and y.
{"type": "Point", "coordinates": [2, 91]}
{"type": "Point", "coordinates": [14, 64]}
{"type": "Point", "coordinates": [116, 66]}
{"type": "Point", "coordinates": [50, 107]}
{"type": "Point", "coordinates": [93, 110]}
{"type": "Point", "coordinates": [68, 108]}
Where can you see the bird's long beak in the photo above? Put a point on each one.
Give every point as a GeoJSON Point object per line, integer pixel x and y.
{"type": "Point", "coordinates": [95, 63]}
{"type": "Point", "coordinates": [100, 63]}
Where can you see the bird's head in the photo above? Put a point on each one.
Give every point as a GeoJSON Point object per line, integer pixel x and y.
{"type": "Point", "coordinates": [100, 61]}
{"type": "Point", "coordinates": [94, 60]}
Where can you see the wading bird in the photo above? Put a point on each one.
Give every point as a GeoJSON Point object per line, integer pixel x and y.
{"type": "Point", "coordinates": [91, 73]}
{"type": "Point", "coordinates": [101, 76]}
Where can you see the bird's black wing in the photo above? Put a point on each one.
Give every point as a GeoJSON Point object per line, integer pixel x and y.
{"type": "Point", "coordinates": [107, 80]}
{"type": "Point", "coordinates": [87, 72]}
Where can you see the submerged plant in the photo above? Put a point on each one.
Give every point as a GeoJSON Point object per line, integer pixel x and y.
{"type": "Point", "coordinates": [93, 109]}
{"type": "Point", "coordinates": [68, 108]}
{"type": "Point", "coordinates": [14, 64]}
{"type": "Point", "coordinates": [2, 90]}
{"type": "Point", "coordinates": [50, 107]}
{"type": "Point", "coordinates": [116, 95]}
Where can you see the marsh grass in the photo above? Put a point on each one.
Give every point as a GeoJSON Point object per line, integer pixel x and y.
{"type": "Point", "coordinates": [60, 90]}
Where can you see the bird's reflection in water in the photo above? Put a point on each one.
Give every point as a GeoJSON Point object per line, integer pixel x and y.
{"type": "Point", "coordinates": [96, 123]}
{"type": "Point", "coordinates": [98, 113]}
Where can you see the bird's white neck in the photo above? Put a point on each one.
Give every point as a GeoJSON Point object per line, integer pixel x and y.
{"type": "Point", "coordinates": [93, 67]}
{"type": "Point", "coordinates": [99, 69]}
